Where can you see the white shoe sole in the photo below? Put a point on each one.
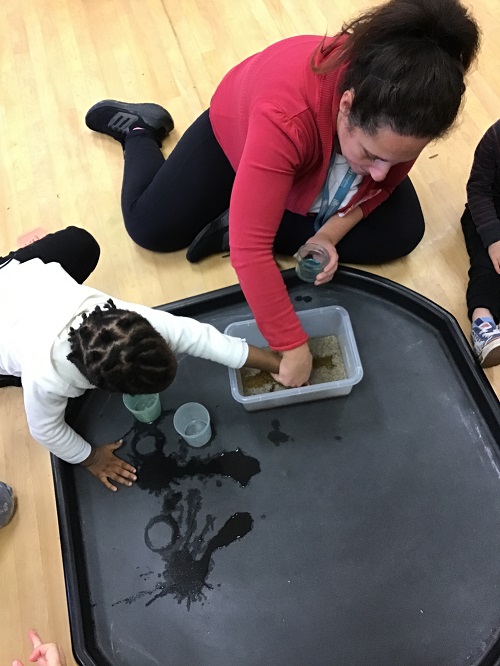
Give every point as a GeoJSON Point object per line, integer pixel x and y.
{"type": "Point", "coordinates": [490, 354]}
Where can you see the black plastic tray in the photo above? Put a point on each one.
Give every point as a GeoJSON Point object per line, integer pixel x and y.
{"type": "Point", "coordinates": [353, 531]}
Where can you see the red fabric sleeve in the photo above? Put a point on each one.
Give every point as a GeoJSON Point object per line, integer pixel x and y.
{"type": "Point", "coordinates": [265, 175]}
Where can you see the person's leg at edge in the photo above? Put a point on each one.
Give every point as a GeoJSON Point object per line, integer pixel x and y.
{"type": "Point", "coordinates": [167, 202]}
{"type": "Point", "coordinates": [75, 249]}
{"type": "Point", "coordinates": [483, 296]}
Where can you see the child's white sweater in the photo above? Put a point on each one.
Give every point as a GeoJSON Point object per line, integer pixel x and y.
{"type": "Point", "coordinates": [38, 305]}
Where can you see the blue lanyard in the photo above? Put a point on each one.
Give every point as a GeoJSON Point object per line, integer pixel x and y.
{"type": "Point", "coordinates": [328, 208]}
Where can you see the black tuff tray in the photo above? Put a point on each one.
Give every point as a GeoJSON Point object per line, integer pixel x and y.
{"type": "Point", "coordinates": [354, 531]}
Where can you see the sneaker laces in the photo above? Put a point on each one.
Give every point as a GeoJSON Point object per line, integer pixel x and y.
{"type": "Point", "coordinates": [487, 332]}
{"type": "Point", "coordinates": [490, 334]}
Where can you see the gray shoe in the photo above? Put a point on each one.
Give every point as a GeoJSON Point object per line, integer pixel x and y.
{"type": "Point", "coordinates": [7, 504]}
{"type": "Point", "coordinates": [116, 119]}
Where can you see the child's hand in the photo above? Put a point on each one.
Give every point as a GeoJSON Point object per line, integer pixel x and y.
{"type": "Point", "coordinates": [103, 464]}
{"type": "Point", "coordinates": [44, 654]}
{"type": "Point", "coordinates": [494, 252]}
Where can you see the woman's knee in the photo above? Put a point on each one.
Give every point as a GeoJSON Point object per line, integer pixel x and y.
{"type": "Point", "coordinates": [404, 218]}
{"type": "Point", "coordinates": [411, 235]}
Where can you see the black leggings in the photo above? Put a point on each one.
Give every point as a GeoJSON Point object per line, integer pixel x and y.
{"type": "Point", "coordinates": [75, 249]}
{"type": "Point", "coordinates": [166, 202]}
{"type": "Point", "coordinates": [483, 290]}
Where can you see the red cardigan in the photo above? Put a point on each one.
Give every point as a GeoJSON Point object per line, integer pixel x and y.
{"type": "Point", "coordinates": [275, 120]}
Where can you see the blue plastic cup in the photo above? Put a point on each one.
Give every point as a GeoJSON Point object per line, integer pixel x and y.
{"type": "Point", "coordinates": [192, 422]}
{"type": "Point", "coordinates": [311, 260]}
{"type": "Point", "coordinates": [146, 407]}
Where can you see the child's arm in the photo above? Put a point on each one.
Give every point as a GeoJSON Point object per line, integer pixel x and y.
{"type": "Point", "coordinates": [186, 335]}
{"type": "Point", "coordinates": [263, 359]}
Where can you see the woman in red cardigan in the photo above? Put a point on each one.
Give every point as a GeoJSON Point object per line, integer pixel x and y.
{"type": "Point", "coordinates": [309, 140]}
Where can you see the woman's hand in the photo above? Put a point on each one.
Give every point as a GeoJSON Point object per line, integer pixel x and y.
{"type": "Point", "coordinates": [329, 270]}
{"type": "Point", "coordinates": [103, 464]}
{"type": "Point", "coordinates": [295, 367]}
{"type": "Point", "coordinates": [494, 252]}
{"type": "Point", "coordinates": [44, 654]}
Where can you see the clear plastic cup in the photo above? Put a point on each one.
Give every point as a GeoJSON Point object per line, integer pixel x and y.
{"type": "Point", "coordinates": [192, 422]}
{"type": "Point", "coordinates": [146, 407]}
{"type": "Point", "coordinates": [311, 260]}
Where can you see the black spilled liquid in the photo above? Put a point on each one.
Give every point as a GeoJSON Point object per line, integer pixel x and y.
{"type": "Point", "coordinates": [187, 552]}
{"type": "Point", "coordinates": [185, 543]}
{"type": "Point", "coordinates": [276, 436]}
{"type": "Point", "coordinates": [156, 471]}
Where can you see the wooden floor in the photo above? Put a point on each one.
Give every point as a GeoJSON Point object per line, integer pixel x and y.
{"type": "Point", "coordinates": [58, 57]}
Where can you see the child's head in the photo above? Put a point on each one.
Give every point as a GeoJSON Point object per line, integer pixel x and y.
{"type": "Point", "coordinates": [119, 351]}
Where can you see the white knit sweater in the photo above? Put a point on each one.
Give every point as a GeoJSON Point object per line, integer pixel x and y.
{"type": "Point", "coordinates": [38, 304]}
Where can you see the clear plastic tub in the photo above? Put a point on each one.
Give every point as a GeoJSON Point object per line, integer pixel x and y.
{"type": "Point", "coordinates": [318, 323]}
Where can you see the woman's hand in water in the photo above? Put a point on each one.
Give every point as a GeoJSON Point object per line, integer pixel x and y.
{"type": "Point", "coordinates": [103, 464]}
{"type": "Point", "coordinates": [295, 367]}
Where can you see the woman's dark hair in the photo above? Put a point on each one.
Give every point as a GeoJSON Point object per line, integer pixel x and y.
{"type": "Point", "coordinates": [405, 61]}
{"type": "Point", "coordinates": [119, 351]}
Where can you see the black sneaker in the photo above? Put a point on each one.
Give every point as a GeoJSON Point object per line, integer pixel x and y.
{"type": "Point", "coordinates": [211, 239]}
{"type": "Point", "coordinates": [9, 380]}
{"type": "Point", "coordinates": [116, 119]}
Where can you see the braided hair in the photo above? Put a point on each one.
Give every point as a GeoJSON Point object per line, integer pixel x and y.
{"type": "Point", "coordinates": [120, 351]}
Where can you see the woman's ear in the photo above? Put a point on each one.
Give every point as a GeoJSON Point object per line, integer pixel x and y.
{"type": "Point", "coordinates": [346, 102]}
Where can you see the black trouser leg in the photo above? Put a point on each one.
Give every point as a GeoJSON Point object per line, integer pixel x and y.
{"type": "Point", "coordinates": [166, 202]}
{"type": "Point", "coordinates": [483, 290]}
{"type": "Point", "coordinates": [75, 249]}
{"type": "Point", "coordinates": [391, 231]}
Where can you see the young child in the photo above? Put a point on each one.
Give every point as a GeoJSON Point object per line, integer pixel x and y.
{"type": "Point", "coordinates": [62, 338]}
{"type": "Point", "coordinates": [481, 228]}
